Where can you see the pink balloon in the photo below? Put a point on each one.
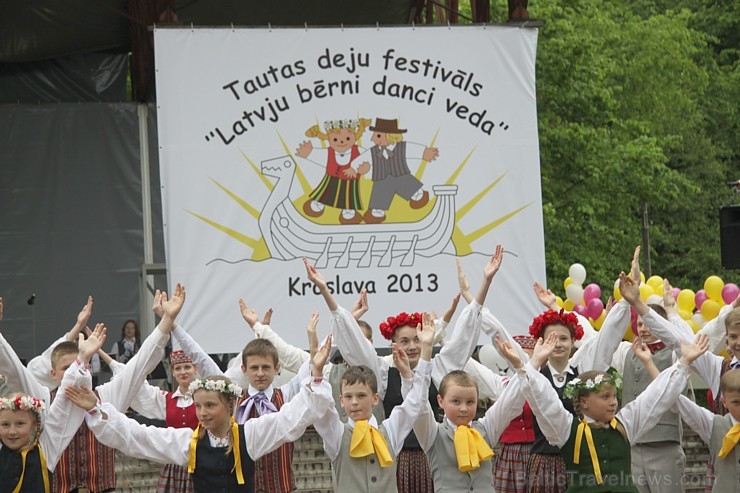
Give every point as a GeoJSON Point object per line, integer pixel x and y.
{"type": "Point", "coordinates": [581, 310]}
{"type": "Point", "coordinates": [594, 307]}
{"type": "Point", "coordinates": [700, 298]}
{"type": "Point", "coordinates": [675, 292]}
{"type": "Point", "coordinates": [591, 291]}
{"type": "Point", "coordinates": [730, 292]}
{"type": "Point", "coordinates": [633, 320]}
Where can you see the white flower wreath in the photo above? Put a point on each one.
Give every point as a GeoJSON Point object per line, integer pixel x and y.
{"type": "Point", "coordinates": [23, 403]}
{"type": "Point", "coordinates": [216, 386]}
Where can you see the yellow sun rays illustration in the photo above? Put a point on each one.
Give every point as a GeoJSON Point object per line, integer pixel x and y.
{"type": "Point", "coordinates": [399, 211]}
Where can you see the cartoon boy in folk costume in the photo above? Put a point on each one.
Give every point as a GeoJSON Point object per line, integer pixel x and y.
{"type": "Point", "coordinates": [391, 174]}
{"type": "Point", "coordinates": [340, 186]}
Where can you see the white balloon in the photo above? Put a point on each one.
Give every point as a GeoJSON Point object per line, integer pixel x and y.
{"type": "Point", "coordinates": [577, 273]}
{"type": "Point", "coordinates": [490, 357]}
{"type": "Point", "coordinates": [654, 299]}
{"type": "Point", "coordinates": [699, 319]}
{"type": "Point", "coordinates": [574, 292]}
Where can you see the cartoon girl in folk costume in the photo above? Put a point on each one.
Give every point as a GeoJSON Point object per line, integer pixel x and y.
{"type": "Point", "coordinates": [340, 186]}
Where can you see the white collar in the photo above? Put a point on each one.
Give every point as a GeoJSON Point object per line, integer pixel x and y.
{"type": "Point", "coordinates": [372, 421]}
{"type": "Point", "coordinates": [553, 371]}
{"type": "Point", "coordinates": [268, 392]}
{"type": "Point", "coordinates": [452, 425]}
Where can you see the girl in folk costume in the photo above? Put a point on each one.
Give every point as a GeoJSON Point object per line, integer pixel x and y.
{"type": "Point", "coordinates": [595, 443]}
{"type": "Point", "coordinates": [219, 454]}
{"type": "Point", "coordinates": [32, 436]}
{"type": "Point", "coordinates": [413, 470]}
{"type": "Point", "coordinates": [340, 187]}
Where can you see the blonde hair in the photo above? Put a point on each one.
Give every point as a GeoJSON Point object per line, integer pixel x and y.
{"type": "Point", "coordinates": [459, 378]}
{"type": "Point", "coordinates": [34, 414]}
{"type": "Point", "coordinates": [585, 392]}
{"type": "Point", "coordinates": [394, 138]}
{"type": "Point", "coordinates": [357, 126]}
{"type": "Point", "coordinates": [228, 400]}
{"type": "Point", "coordinates": [730, 382]}
{"type": "Point", "coordinates": [733, 319]}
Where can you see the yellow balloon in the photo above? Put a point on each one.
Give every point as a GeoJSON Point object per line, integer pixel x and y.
{"type": "Point", "coordinates": [713, 287]}
{"type": "Point", "coordinates": [599, 321]}
{"type": "Point", "coordinates": [655, 282]}
{"type": "Point", "coordinates": [642, 277]}
{"type": "Point", "coordinates": [646, 291]}
{"type": "Point", "coordinates": [568, 305]}
{"type": "Point", "coordinates": [710, 309]}
{"type": "Point", "coordinates": [568, 281]}
{"type": "Point", "coordinates": [685, 300]}
{"type": "Point", "coordinates": [684, 314]}
{"type": "Point", "coordinates": [693, 325]}
{"type": "Point", "coordinates": [628, 334]}
{"type": "Point", "coordinates": [617, 294]}
{"type": "Point", "coordinates": [559, 301]}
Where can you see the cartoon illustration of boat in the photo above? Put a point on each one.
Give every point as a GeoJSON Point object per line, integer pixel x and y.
{"type": "Point", "coordinates": [290, 235]}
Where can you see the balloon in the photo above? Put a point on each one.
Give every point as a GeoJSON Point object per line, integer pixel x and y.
{"type": "Point", "coordinates": [581, 310]}
{"type": "Point", "coordinates": [655, 282]}
{"type": "Point", "coordinates": [684, 314]}
{"type": "Point", "coordinates": [591, 291]}
{"type": "Point", "coordinates": [675, 292]}
{"type": "Point", "coordinates": [575, 293]}
{"type": "Point", "coordinates": [617, 293]}
{"type": "Point", "coordinates": [685, 300]}
{"type": "Point", "coordinates": [568, 305]}
{"type": "Point", "coordinates": [694, 326]}
{"type": "Point", "coordinates": [713, 287]}
{"type": "Point", "coordinates": [559, 301]}
{"type": "Point", "coordinates": [698, 319]}
{"type": "Point", "coordinates": [633, 320]}
{"type": "Point", "coordinates": [594, 308]}
{"type": "Point", "coordinates": [654, 299]}
{"type": "Point", "coordinates": [568, 281]}
{"type": "Point", "coordinates": [490, 357]}
{"type": "Point", "coordinates": [701, 297]}
{"type": "Point", "coordinates": [642, 277]}
{"type": "Point", "coordinates": [646, 291]}
{"type": "Point", "coordinates": [600, 321]}
{"type": "Point", "coordinates": [730, 292]}
{"type": "Point", "coordinates": [577, 272]}
{"type": "Point", "coordinates": [710, 309]}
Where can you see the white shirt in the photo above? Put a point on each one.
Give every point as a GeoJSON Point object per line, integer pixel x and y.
{"type": "Point", "coordinates": [172, 445]}
{"type": "Point", "coordinates": [397, 426]}
{"type": "Point", "coordinates": [637, 417]}
{"type": "Point", "coordinates": [699, 419]}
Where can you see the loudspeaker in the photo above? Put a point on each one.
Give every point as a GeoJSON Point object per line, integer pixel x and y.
{"type": "Point", "coordinates": [729, 236]}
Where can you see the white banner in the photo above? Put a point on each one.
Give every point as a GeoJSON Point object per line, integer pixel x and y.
{"type": "Point", "coordinates": [380, 154]}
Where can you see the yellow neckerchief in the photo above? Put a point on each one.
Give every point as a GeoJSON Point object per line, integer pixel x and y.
{"type": "Point", "coordinates": [584, 428]}
{"type": "Point", "coordinates": [729, 441]}
{"type": "Point", "coordinates": [44, 470]}
{"type": "Point", "coordinates": [235, 448]}
{"type": "Point", "coordinates": [367, 440]}
{"type": "Point", "coordinates": [470, 448]}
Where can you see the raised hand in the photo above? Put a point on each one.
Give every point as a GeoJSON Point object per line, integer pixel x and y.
{"type": "Point", "coordinates": [542, 350]}
{"type": "Point", "coordinates": [609, 305]}
{"type": "Point", "coordinates": [360, 307]}
{"type": "Point", "coordinates": [425, 330]}
{"type": "Point", "coordinates": [635, 267]}
{"type": "Point", "coordinates": [494, 263]}
{"type": "Point", "coordinates": [90, 346]}
{"type": "Point", "coordinates": [85, 313]}
{"type": "Point", "coordinates": [171, 308]}
{"type": "Point", "coordinates": [314, 275]}
{"type": "Point", "coordinates": [546, 296]}
{"type": "Point", "coordinates": [304, 149]}
{"type": "Point", "coordinates": [630, 288]}
{"type": "Point", "coordinates": [157, 303]}
{"type": "Point", "coordinates": [508, 352]}
{"type": "Point", "coordinates": [313, 338]}
{"type": "Point", "coordinates": [320, 358]}
{"type": "Point", "coordinates": [81, 397]}
{"type": "Point", "coordinates": [267, 318]}
{"type": "Point", "coordinates": [462, 281]}
{"type": "Point", "coordinates": [450, 312]}
{"type": "Point", "coordinates": [401, 361]}
{"type": "Point", "coordinates": [690, 352]}
{"type": "Point", "coordinates": [641, 351]}
{"type": "Point", "coordinates": [249, 315]}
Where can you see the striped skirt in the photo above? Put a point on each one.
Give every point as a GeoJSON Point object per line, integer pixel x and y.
{"type": "Point", "coordinates": [510, 468]}
{"type": "Point", "coordinates": [335, 192]}
{"type": "Point", "coordinates": [174, 479]}
{"type": "Point", "coordinates": [546, 474]}
{"type": "Point", "coordinates": [412, 472]}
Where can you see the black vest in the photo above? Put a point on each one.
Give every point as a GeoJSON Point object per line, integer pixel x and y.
{"type": "Point", "coordinates": [213, 468]}
{"type": "Point", "coordinates": [393, 398]}
{"type": "Point", "coordinates": [11, 465]}
{"type": "Point", "coordinates": [541, 445]}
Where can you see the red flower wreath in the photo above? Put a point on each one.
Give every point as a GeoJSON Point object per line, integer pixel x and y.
{"type": "Point", "coordinates": [551, 317]}
{"type": "Point", "coordinates": [388, 327]}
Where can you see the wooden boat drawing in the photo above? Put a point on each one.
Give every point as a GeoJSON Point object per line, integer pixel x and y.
{"type": "Point", "coordinates": [290, 235]}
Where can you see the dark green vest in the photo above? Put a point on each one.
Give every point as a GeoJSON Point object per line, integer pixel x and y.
{"type": "Point", "coordinates": [615, 462]}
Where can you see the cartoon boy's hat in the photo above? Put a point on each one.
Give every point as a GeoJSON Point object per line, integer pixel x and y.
{"type": "Point", "coordinates": [179, 357]}
{"type": "Point", "coordinates": [526, 342]}
{"type": "Point", "coordinates": [387, 126]}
